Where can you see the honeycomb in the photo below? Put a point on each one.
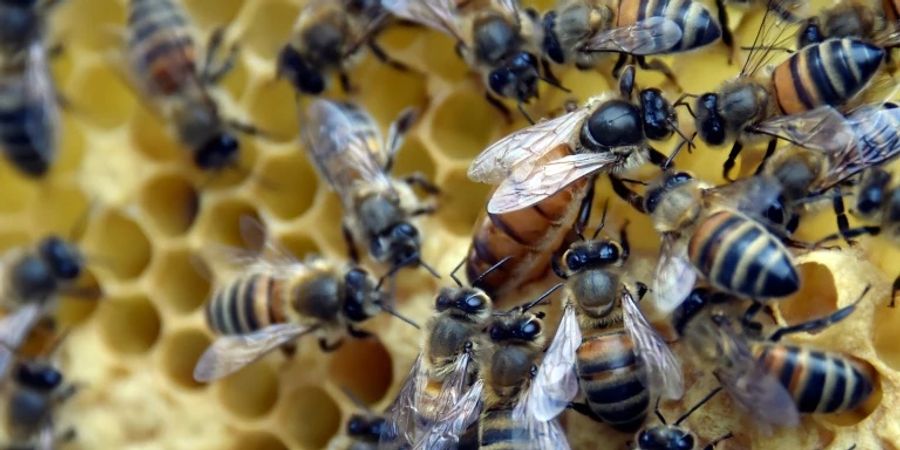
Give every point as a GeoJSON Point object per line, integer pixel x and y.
{"type": "Point", "coordinates": [151, 215]}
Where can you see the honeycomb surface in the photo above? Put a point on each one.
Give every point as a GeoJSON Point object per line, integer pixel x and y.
{"type": "Point", "coordinates": [152, 215]}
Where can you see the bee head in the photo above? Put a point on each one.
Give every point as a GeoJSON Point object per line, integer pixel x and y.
{"type": "Point", "coordinates": [710, 124]}
{"type": "Point", "coordinates": [299, 72]}
{"type": "Point", "coordinates": [38, 376]}
{"type": "Point", "coordinates": [872, 192]}
{"type": "Point", "coordinates": [360, 426]}
{"type": "Point", "coordinates": [657, 115]}
{"type": "Point", "coordinates": [517, 328]}
{"type": "Point", "coordinates": [361, 298]}
{"type": "Point", "coordinates": [32, 278]}
{"type": "Point", "coordinates": [517, 79]}
{"type": "Point", "coordinates": [670, 182]}
{"type": "Point", "coordinates": [217, 152]}
{"type": "Point", "coordinates": [810, 33]}
{"type": "Point", "coordinates": [20, 20]}
{"type": "Point", "coordinates": [63, 259]}
{"type": "Point", "coordinates": [400, 243]}
{"type": "Point", "coordinates": [665, 437]}
{"type": "Point", "coordinates": [468, 303]}
{"type": "Point", "coordinates": [592, 255]}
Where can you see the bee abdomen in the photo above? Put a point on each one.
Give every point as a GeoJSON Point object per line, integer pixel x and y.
{"type": "Point", "coordinates": [499, 431]}
{"type": "Point", "coordinates": [26, 136]}
{"type": "Point", "coordinates": [610, 378]}
{"type": "Point", "coordinates": [697, 24]}
{"type": "Point", "coordinates": [828, 73]}
{"type": "Point", "coordinates": [819, 382]}
{"type": "Point", "coordinates": [245, 305]}
{"type": "Point", "coordinates": [739, 255]}
{"type": "Point", "coordinates": [161, 41]}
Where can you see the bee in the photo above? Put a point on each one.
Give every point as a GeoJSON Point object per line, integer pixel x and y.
{"type": "Point", "coordinates": [326, 37]}
{"type": "Point", "coordinates": [852, 18]}
{"type": "Point", "coordinates": [829, 73]}
{"type": "Point", "coordinates": [363, 429]}
{"type": "Point", "coordinates": [346, 146]}
{"type": "Point", "coordinates": [496, 38]}
{"type": "Point", "coordinates": [675, 437]}
{"type": "Point", "coordinates": [787, 10]}
{"type": "Point", "coordinates": [763, 375]}
{"type": "Point", "coordinates": [439, 397]}
{"type": "Point", "coordinates": [28, 105]}
{"type": "Point", "coordinates": [162, 58]}
{"type": "Point", "coordinates": [37, 389]}
{"type": "Point", "coordinates": [582, 32]}
{"type": "Point", "coordinates": [277, 299]}
{"type": "Point", "coordinates": [621, 362]}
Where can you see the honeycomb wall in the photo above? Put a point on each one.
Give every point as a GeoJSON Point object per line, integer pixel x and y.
{"type": "Point", "coordinates": [153, 218]}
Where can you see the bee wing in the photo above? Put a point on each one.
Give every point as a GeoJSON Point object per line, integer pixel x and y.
{"type": "Point", "coordinates": [400, 419]}
{"type": "Point", "coordinates": [539, 434]}
{"type": "Point", "coordinates": [650, 36]}
{"type": "Point", "coordinates": [446, 432]}
{"type": "Point", "coordinates": [46, 439]}
{"type": "Point", "coordinates": [751, 195]}
{"type": "Point", "coordinates": [14, 328]}
{"type": "Point", "coordinates": [497, 161]}
{"type": "Point", "coordinates": [345, 149]}
{"type": "Point", "coordinates": [436, 14]}
{"type": "Point", "coordinates": [675, 276]}
{"type": "Point", "coordinates": [663, 369]}
{"type": "Point", "coordinates": [228, 354]}
{"type": "Point", "coordinates": [40, 94]}
{"type": "Point", "coordinates": [823, 128]}
{"type": "Point", "coordinates": [556, 382]}
{"type": "Point", "coordinates": [531, 183]}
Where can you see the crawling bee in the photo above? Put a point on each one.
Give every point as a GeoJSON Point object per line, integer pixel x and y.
{"type": "Point", "coordinates": [497, 39]}
{"type": "Point", "coordinates": [852, 18]}
{"type": "Point", "coordinates": [28, 106]}
{"type": "Point", "coordinates": [326, 37]}
{"type": "Point", "coordinates": [345, 144]}
{"type": "Point", "coordinates": [763, 375]}
{"type": "Point", "coordinates": [583, 32]}
{"type": "Point", "coordinates": [162, 58]}
{"type": "Point", "coordinates": [620, 361]}
{"type": "Point", "coordinates": [37, 389]}
{"type": "Point", "coordinates": [277, 299]}
{"type": "Point", "coordinates": [674, 436]}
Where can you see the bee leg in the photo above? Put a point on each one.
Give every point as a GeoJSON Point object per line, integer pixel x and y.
{"type": "Point", "coordinates": [548, 73]}
{"type": "Point", "coordinates": [658, 66]}
{"type": "Point", "coordinates": [727, 38]}
{"type": "Point", "coordinates": [770, 150]}
{"type": "Point", "coordinates": [657, 158]}
{"type": "Point", "coordinates": [557, 266]}
{"type": "Point", "coordinates": [840, 214]}
{"type": "Point", "coordinates": [329, 347]}
{"type": "Point", "coordinates": [620, 63]}
{"type": "Point", "coordinates": [895, 290]}
{"type": "Point", "coordinates": [346, 85]}
{"type": "Point", "coordinates": [211, 73]}
{"type": "Point", "coordinates": [712, 444]}
{"type": "Point", "coordinates": [385, 58]}
{"type": "Point", "coordinates": [626, 82]}
{"type": "Point", "coordinates": [584, 211]}
{"type": "Point", "coordinates": [423, 211]}
{"type": "Point", "coordinates": [357, 333]}
{"type": "Point", "coordinates": [496, 103]}
{"type": "Point", "coordinates": [732, 157]}
{"type": "Point", "coordinates": [351, 244]}
{"type": "Point", "coordinates": [585, 410]}
{"type": "Point", "coordinates": [747, 319]}
{"type": "Point", "coordinates": [625, 193]}
{"type": "Point", "coordinates": [820, 323]}
{"type": "Point", "coordinates": [418, 179]}
{"type": "Point", "coordinates": [849, 234]}
{"type": "Point", "coordinates": [642, 290]}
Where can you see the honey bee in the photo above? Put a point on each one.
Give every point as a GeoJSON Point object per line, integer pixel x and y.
{"type": "Point", "coordinates": [277, 299]}
{"type": "Point", "coordinates": [345, 144]}
{"type": "Point", "coordinates": [162, 58]}
{"type": "Point", "coordinates": [37, 389]}
{"type": "Point", "coordinates": [583, 32]}
{"type": "Point", "coordinates": [790, 11]}
{"type": "Point", "coordinates": [675, 437]}
{"type": "Point", "coordinates": [363, 430]}
{"type": "Point", "coordinates": [620, 361]}
{"type": "Point", "coordinates": [28, 105]}
{"type": "Point", "coordinates": [763, 375]}
{"type": "Point", "coordinates": [326, 37]}
{"type": "Point", "coordinates": [496, 38]}
{"type": "Point", "coordinates": [852, 18]}
{"type": "Point", "coordinates": [829, 73]}
{"type": "Point", "coordinates": [438, 400]}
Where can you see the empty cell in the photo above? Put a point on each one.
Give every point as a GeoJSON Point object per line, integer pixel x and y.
{"type": "Point", "coordinates": [463, 125]}
{"type": "Point", "coordinates": [257, 440]}
{"type": "Point", "coordinates": [180, 283]}
{"type": "Point", "coordinates": [310, 417]}
{"type": "Point", "coordinates": [70, 146]}
{"type": "Point", "coordinates": [461, 206]}
{"type": "Point", "coordinates": [128, 325]}
{"type": "Point", "coordinates": [299, 245]}
{"type": "Point", "coordinates": [171, 203]}
{"type": "Point", "coordinates": [287, 184]}
{"type": "Point", "coordinates": [102, 96]}
{"type": "Point", "coordinates": [117, 244]}
{"type": "Point", "coordinates": [180, 352]}
{"type": "Point", "coordinates": [272, 109]}
{"type": "Point", "coordinates": [269, 27]}
{"type": "Point", "coordinates": [816, 298]}
{"type": "Point", "coordinates": [250, 392]}
{"type": "Point", "coordinates": [414, 157]}
{"type": "Point", "coordinates": [364, 367]}
{"type": "Point", "coordinates": [221, 223]}
{"type": "Point", "coordinates": [386, 104]}
{"type": "Point", "coordinates": [210, 14]}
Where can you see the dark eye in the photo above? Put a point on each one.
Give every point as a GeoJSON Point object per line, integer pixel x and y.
{"type": "Point", "coordinates": [496, 333]}
{"type": "Point", "coordinates": [574, 261]}
{"type": "Point", "coordinates": [500, 79]}
{"type": "Point", "coordinates": [686, 442]}
{"type": "Point", "coordinates": [530, 329]}
{"type": "Point", "coordinates": [356, 277]}
{"type": "Point", "coordinates": [609, 252]}
{"type": "Point", "coordinates": [217, 152]}
{"type": "Point", "coordinates": [523, 60]}
{"type": "Point", "coordinates": [645, 440]}
{"type": "Point", "coordinates": [63, 260]}
{"type": "Point", "coordinates": [404, 230]}
{"type": "Point", "coordinates": [356, 426]}
{"type": "Point", "coordinates": [474, 303]}
{"type": "Point", "coordinates": [39, 376]}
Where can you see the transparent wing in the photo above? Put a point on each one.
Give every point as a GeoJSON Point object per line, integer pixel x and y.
{"type": "Point", "coordinates": [497, 161]}
{"type": "Point", "coordinates": [400, 419]}
{"type": "Point", "coordinates": [539, 434]}
{"type": "Point", "coordinates": [345, 145]}
{"type": "Point", "coordinates": [509, 7]}
{"type": "Point", "coordinates": [675, 276]}
{"type": "Point", "coordinates": [436, 14]}
{"type": "Point", "coordinates": [751, 195]}
{"type": "Point", "coordinates": [531, 183]}
{"type": "Point", "coordinates": [444, 435]}
{"type": "Point", "coordinates": [556, 382]}
{"type": "Point", "coordinates": [46, 439]}
{"type": "Point", "coordinates": [228, 354]}
{"type": "Point", "coordinates": [650, 36]}
{"type": "Point", "coordinates": [14, 328]}
{"type": "Point", "coordinates": [823, 128]}
{"type": "Point", "coordinates": [663, 369]}
{"type": "Point", "coordinates": [40, 95]}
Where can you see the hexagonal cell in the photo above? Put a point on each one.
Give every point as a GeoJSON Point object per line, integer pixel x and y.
{"type": "Point", "coordinates": [287, 185]}
{"type": "Point", "coordinates": [128, 325]}
{"type": "Point", "coordinates": [152, 138]}
{"type": "Point", "coordinates": [269, 27]}
{"type": "Point", "coordinates": [180, 283]}
{"type": "Point", "coordinates": [386, 104]}
{"type": "Point", "coordinates": [210, 14]}
{"type": "Point", "coordinates": [364, 367]}
{"type": "Point", "coordinates": [103, 15]}
{"type": "Point", "coordinates": [250, 392]}
{"type": "Point", "coordinates": [235, 81]}
{"type": "Point", "coordinates": [886, 334]}
{"type": "Point", "coordinates": [299, 245]}
{"type": "Point", "coordinates": [461, 207]}
{"type": "Point", "coordinates": [222, 223]}
{"type": "Point", "coordinates": [170, 202]}
{"type": "Point", "coordinates": [180, 352]}
{"type": "Point", "coordinates": [65, 212]}
{"type": "Point", "coordinates": [464, 124]}
{"type": "Point", "coordinates": [413, 157]}
{"type": "Point", "coordinates": [816, 298]}
{"type": "Point", "coordinates": [19, 190]}
{"type": "Point", "coordinates": [311, 417]}
{"type": "Point", "coordinates": [271, 108]}
{"type": "Point", "coordinates": [100, 93]}
{"type": "Point", "coordinates": [71, 144]}
{"type": "Point", "coordinates": [118, 244]}
{"type": "Point", "coordinates": [257, 440]}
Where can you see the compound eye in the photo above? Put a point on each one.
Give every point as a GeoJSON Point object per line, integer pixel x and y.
{"type": "Point", "coordinates": [531, 329]}
{"type": "Point", "coordinates": [62, 259]}
{"type": "Point", "coordinates": [609, 252]}
{"type": "Point", "coordinates": [500, 80]}
{"type": "Point", "coordinates": [524, 60]}
{"type": "Point", "coordinates": [474, 303]}
{"type": "Point", "coordinates": [404, 230]}
{"type": "Point", "coordinates": [356, 277]}
{"type": "Point", "coordinates": [356, 426]}
{"type": "Point", "coordinates": [497, 333]}
{"type": "Point", "coordinates": [574, 261]}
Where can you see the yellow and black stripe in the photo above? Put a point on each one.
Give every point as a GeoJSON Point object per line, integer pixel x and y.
{"type": "Point", "coordinates": [610, 374]}
{"type": "Point", "coordinates": [160, 40]}
{"type": "Point", "coordinates": [249, 303]}
{"type": "Point", "coordinates": [739, 255]}
{"type": "Point", "coordinates": [27, 130]}
{"type": "Point", "coordinates": [697, 24]}
{"type": "Point", "coordinates": [829, 73]}
{"type": "Point", "coordinates": [499, 431]}
{"type": "Point", "coordinates": [819, 382]}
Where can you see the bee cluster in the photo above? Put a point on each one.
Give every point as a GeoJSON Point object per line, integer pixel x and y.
{"type": "Point", "coordinates": [604, 288]}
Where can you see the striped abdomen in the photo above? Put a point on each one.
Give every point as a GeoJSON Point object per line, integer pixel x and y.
{"type": "Point", "coordinates": [247, 304]}
{"type": "Point", "coordinates": [498, 430]}
{"type": "Point", "coordinates": [819, 382]}
{"type": "Point", "coordinates": [528, 237]}
{"type": "Point", "coordinates": [609, 372]}
{"type": "Point", "coordinates": [829, 73]}
{"type": "Point", "coordinates": [27, 126]}
{"type": "Point", "coordinates": [697, 24]}
{"type": "Point", "coordinates": [739, 255]}
{"type": "Point", "coordinates": [161, 47]}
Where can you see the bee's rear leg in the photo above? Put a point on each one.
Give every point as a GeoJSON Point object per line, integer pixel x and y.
{"type": "Point", "coordinates": [895, 291]}
{"type": "Point", "coordinates": [357, 333]}
{"type": "Point", "coordinates": [385, 58]}
{"type": "Point", "coordinates": [727, 37]}
{"type": "Point", "coordinates": [496, 103]}
{"type": "Point", "coordinates": [659, 66]}
{"type": "Point", "coordinates": [418, 179]}
{"type": "Point", "coordinates": [770, 150]}
{"type": "Point", "coordinates": [211, 72]}
{"type": "Point", "coordinates": [351, 244]}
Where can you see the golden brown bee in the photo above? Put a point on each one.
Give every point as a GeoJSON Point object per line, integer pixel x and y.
{"type": "Point", "coordinates": [162, 56]}
{"type": "Point", "coordinates": [277, 299]}
{"type": "Point", "coordinates": [28, 105]}
{"type": "Point", "coordinates": [326, 37]}
{"type": "Point", "coordinates": [674, 436]}
{"type": "Point", "coordinates": [621, 362]}
{"type": "Point", "coordinates": [583, 32]}
{"type": "Point", "coordinates": [344, 143]}
{"type": "Point", "coordinates": [36, 391]}
{"type": "Point", "coordinates": [773, 382]}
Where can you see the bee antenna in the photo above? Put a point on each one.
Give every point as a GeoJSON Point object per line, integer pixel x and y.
{"type": "Point", "coordinates": [489, 270]}
{"type": "Point", "coordinates": [541, 298]}
{"type": "Point", "coordinates": [390, 273]}
{"type": "Point", "coordinates": [429, 269]}
{"type": "Point", "coordinates": [396, 314]}
{"type": "Point", "coordinates": [521, 107]}
{"type": "Point", "coordinates": [681, 102]}
{"type": "Point", "coordinates": [455, 269]}
{"type": "Point", "coordinates": [698, 405]}
{"type": "Point", "coordinates": [685, 140]}
{"type": "Point", "coordinates": [354, 399]}
{"type": "Point", "coordinates": [602, 220]}
{"type": "Point", "coordinates": [556, 84]}
{"type": "Point", "coordinates": [659, 414]}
